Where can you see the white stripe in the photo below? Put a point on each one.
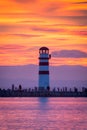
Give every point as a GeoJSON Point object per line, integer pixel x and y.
{"type": "Point", "coordinates": [45, 82]}
{"type": "Point", "coordinates": [44, 55]}
{"type": "Point", "coordinates": [44, 60]}
{"type": "Point", "coordinates": [42, 68]}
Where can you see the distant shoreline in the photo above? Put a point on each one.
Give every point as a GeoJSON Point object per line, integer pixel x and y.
{"type": "Point", "coordinates": [10, 93]}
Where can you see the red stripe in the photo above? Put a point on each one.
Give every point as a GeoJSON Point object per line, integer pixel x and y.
{"type": "Point", "coordinates": [42, 58]}
{"type": "Point", "coordinates": [44, 72]}
{"type": "Point", "coordinates": [44, 63]}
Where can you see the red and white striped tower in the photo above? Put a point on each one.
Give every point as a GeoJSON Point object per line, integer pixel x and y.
{"type": "Point", "coordinates": [44, 68]}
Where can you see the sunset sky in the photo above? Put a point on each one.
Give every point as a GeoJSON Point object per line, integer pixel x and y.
{"type": "Point", "coordinates": [27, 25]}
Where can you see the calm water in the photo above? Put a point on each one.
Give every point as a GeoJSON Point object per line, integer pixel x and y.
{"type": "Point", "coordinates": [43, 113]}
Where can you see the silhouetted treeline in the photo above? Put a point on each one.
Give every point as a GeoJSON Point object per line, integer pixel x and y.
{"type": "Point", "coordinates": [37, 92]}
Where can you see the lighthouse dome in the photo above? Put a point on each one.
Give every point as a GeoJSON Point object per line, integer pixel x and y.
{"type": "Point", "coordinates": [44, 48]}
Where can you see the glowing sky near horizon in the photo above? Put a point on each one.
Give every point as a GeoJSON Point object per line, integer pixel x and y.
{"type": "Point", "coordinates": [27, 25]}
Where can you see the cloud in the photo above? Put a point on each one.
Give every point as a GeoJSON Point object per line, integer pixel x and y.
{"type": "Point", "coordinates": [81, 33]}
{"type": "Point", "coordinates": [56, 11]}
{"type": "Point", "coordinates": [25, 1]}
{"type": "Point", "coordinates": [55, 6]}
{"type": "Point", "coordinates": [69, 54]}
{"type": "Point", "coordinates": [4, 28]}
{"type": "Point", "coordinates": [25, 35]}
{"type": "Point", "coordinates": [8, 27]}
{"type": "Point", "coordinates": [84, 12]}
{"type": "Point", "coordinates": [81, 20]}
{"type": "Point", "coordinates": [61, 39]}
{"type": "Point", "coordinates": [32, 21]}
{"type": "Point", "coordinates": [52, 7]}
{"type": "Point", "coordinates": [46, 29]}
{"type": "Point", "coordinates": [20, 49]}
{"type": "Point", "coordinates": [18, 14]}
{"type": "Point", "coordinates": [11, 47]}
{"type": "Point", "coordinates": [82, 2]}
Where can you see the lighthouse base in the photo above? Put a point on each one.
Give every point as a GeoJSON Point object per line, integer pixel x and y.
{"type": "Point", "coordinates": [41, 88]}
{"type": "Point", "coordinates": [43, 82]}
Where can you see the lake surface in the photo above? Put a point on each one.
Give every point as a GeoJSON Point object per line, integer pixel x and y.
{"type": "Point", "coordinates": [43, 113]}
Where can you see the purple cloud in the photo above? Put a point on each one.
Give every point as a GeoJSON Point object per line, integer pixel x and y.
{"type": "Point", "coordinates": [69, 54]}
{"type": "Point", "coordinates": [84, 12]}
{"type": "Point", "coordinates": [45, 29]}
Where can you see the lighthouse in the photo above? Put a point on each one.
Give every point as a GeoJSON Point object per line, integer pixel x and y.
{"type": "Point", "coordinates": [44, 57]}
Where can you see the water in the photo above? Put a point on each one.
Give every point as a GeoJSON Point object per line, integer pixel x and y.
{"type": "Point", "coordinates": [43, 113]}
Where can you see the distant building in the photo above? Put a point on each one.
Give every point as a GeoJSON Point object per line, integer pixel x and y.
{"type": "Point", "coordinates": [44, 68]}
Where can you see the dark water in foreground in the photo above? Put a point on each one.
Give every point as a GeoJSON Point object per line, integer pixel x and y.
{"type": "Point", "coordinates": [43, 113]}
